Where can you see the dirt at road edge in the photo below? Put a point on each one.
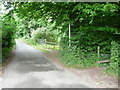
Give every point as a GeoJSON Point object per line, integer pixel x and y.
{"type": "Point", "coordinates": [94, 76]}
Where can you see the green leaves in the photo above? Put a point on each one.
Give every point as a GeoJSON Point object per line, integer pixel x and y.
{"type": "Point", "coordinates": [92, 25]}
{"type": "Point", "coordinates": [115, 51]}
{"type": "Point", "coordinates": [8, 33]}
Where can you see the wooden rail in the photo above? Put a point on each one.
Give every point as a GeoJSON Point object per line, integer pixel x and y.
{"type": "Point", "coordinates": [104, 61]}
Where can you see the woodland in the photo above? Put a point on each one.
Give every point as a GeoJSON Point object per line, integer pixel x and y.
{"type": "Point", "coordinates": [92, 26]}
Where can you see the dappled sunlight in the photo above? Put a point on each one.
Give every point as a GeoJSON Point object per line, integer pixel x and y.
{"type": "Point", "coordinates": [28, 68]}
{"type": "Point", "coordinates": [86, 36]}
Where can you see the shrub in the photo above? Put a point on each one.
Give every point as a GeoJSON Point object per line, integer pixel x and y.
{"type": "Point", "coordinates": [8, 33]}
{"type": "Point", "coordinates": [115, 58]}
{"type": "Point", "coordinates": [75, 56]}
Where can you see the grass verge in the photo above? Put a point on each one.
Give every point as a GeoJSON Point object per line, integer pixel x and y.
{"type": "Point", "coordinates": [42, 47]}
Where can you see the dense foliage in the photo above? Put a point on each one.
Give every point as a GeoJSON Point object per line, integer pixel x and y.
{"type": "Point", "coordinates": [36, 29]}
{"type": "Point", "coordinates": [8, 32]}
{"type": "Point", "coordinates": [92, 25]}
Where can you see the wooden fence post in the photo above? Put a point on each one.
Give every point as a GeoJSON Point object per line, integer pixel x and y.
{"type": "Point", "coordinates": [69, 35]}
{"type": "Point", "coordinates": [98, 51]}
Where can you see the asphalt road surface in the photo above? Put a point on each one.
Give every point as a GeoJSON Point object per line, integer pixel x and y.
{"type": "Point", "coordinates": [31, 69]}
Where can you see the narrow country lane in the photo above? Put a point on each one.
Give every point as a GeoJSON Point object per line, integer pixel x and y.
{"type": "Point", "coordinates": [31, 69]}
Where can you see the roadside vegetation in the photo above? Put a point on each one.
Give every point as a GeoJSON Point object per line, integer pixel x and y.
{"type": "Point", "coordinates": [85, 33]}
{"type": "Point", "coordinates": [42, 47]}
{"type": "Point", "coordinates": [8, 33]}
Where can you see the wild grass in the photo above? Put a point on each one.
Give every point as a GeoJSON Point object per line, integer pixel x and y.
{"type": "Point", "coordinates": [42, 47]}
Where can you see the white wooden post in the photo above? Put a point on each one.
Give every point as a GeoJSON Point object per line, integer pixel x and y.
{"type": "Point", "coordinates": [98, 51]}
{"type": "Point", "coordinates": [45, 42]}
{"type": "Point", "coordinates": [69, 35]}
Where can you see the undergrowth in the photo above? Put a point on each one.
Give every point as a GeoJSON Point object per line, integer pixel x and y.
{"type": "Point", "coordinates": [77, 58]}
